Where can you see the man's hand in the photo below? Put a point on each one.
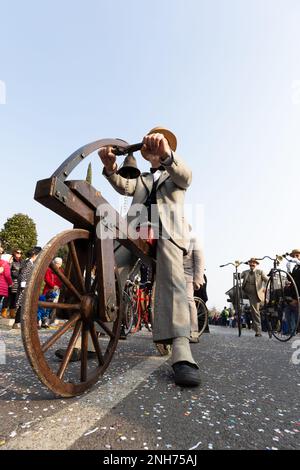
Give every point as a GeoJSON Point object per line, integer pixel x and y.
{"type": "Point", "coordinates": [156, 145]}
{"type": "Point", "coordinates": [197, 285]}
{"type": "Point", "coordinates": [108, 159]}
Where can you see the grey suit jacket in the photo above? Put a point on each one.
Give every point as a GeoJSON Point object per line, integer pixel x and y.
{"type": "Point", "coordinates": [260, 280]}
{"type": "Point", "coordinates": [170, 194]}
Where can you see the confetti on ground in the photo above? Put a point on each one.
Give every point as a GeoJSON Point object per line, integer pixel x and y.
{"type": "Point", "coordinates": [195, 446]}
{"type": "Point", "coordinates": [91, 432]}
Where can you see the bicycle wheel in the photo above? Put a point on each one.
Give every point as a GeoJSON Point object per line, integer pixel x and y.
{"type": "Point", "coordinates": [202, 314]}
{"type": "Point", "coordinates": [281, 306]}
{"type": "Point", "coordinates": [130, 310]}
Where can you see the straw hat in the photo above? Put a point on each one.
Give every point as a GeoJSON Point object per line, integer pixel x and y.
{"type": "Point", "coordinates": [171, 138]}
{"type": "Point", "coordinates": [252, 260]}
{"type": "Point", "coordinates": [295, 252]}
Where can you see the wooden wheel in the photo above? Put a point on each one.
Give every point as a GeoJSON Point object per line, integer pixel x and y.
{"type": "Point", "coordinates": [77, 308]}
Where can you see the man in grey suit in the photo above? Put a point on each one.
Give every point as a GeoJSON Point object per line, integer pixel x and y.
{"type": "Point", "coordinates": [159, 197]}
{"type": "Point", "coordinates": [254, 281]}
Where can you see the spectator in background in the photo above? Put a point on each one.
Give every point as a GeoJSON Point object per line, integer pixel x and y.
{"type": "Point", "coordinates": [24, 276]}
{"type": "Point", "coordinates": [224, 316]}
{"type": "Point", "coordinates": [193, 263]}
{"type": "Point", "coordinates": [254, 281]}
{"type": "Point", "coordinates": [294, 261]}
{"type": "Point", "coordinates": [52, 281]}
{"type": "Point", "coordinates": [5, 283]}
{"type": "Point", "coordinates": [202, 293]}
{"type": "Point", "coordinates": [44, 313]}
{"type": "Point", "coordinates": [15, 268]}
{"type": "Point", "coordinates": [291, 309]}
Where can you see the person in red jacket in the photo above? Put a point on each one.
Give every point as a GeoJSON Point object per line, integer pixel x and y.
{"type": "Point", "coordinates": [52, 281]}
{"type": "Point", "coordinates": [5, 282]}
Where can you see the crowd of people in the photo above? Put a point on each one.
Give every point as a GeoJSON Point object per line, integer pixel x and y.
{"type": "Point", "coordinates": [15, 272]}
{"type": "Point", "coordinates": [227, 317]}
{"type": "Point", "coordinates": [254, 283]}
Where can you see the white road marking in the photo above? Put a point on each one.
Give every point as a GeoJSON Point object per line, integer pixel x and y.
{"type": "Point", "coordinates": [70, 426]}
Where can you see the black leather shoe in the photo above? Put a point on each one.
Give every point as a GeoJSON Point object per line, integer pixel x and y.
{"type": "Point", "coordinates": [186, 374]}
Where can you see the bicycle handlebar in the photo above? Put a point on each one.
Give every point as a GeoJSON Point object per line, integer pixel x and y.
{"type": "Point", "coordinates": [277, 258]}
{"type": "Point", "coordinates": [118, 151]}
{"type": "Point", "coordinates": [264, 257]}
{"type": "Point", "coordinates": [236, 264]}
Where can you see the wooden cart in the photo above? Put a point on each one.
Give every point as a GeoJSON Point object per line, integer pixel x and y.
{"type": "Point", "coordinates": [90, 303]}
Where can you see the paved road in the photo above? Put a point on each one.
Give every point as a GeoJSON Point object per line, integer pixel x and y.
{"type": "Point", "coordinates": [249, 399]}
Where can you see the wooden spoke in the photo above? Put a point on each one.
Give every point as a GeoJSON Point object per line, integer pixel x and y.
{"type": "Point", "coordinates": [60, 332]}
{"type": "Point", "coordinates": [77, 265]}
{"type": "Point", "coordinates": [65, 281]}
{"type": "Point", "coordinates": [96, 344]}
{"type": "Point", "coordinates": [84, 353]}
{"type": "Point", "coordinates": [54, 305]}
{"type": "Point", "coordinates": [69, 351]}
{"type": "Point", "coordinates": [106, 329]}
{"type": "Point", "coordinates": [68, 267]}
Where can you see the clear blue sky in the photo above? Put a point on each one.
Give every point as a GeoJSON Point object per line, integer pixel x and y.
{"type": "Point", "coordinates": [223, 74]}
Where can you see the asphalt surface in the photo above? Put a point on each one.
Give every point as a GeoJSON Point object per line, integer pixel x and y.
{"type": "Point", "coordinates": [249, 399]}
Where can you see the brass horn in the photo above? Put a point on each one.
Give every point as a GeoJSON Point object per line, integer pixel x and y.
{"type": "Point", "coordinates": [129, 169]}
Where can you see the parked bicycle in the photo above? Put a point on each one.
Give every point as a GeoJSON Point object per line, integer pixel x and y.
{"type": "Point", "coordinates": [138, 310]}
{"type": "Point", "coordinates": [281, 308]}
{"type": "Point", "coordinates": [137, 296]}
{"type": "Point", "coordinates": [235, 293]}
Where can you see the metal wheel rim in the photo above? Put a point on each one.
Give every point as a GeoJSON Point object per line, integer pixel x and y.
{"type": "Point", "coordinates": [204, 315]}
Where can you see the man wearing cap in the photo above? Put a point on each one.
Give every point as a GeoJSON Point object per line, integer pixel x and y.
{"type": "Point", "coordinates": [161, 192]}
{"type": "Point", "coordinates": [295, 261]}
{"type": "Point", "coordinates": [254, 281]}
{"type": "Point", "coordinates": [291, 309]}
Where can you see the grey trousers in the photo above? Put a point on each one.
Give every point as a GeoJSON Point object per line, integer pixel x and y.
{"type": "Point", "coordinates": [255, 313]}
{"type": "Point", "coordinates": [171, 308]}
{"type": "Point", "coordinates": [192, 306]}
